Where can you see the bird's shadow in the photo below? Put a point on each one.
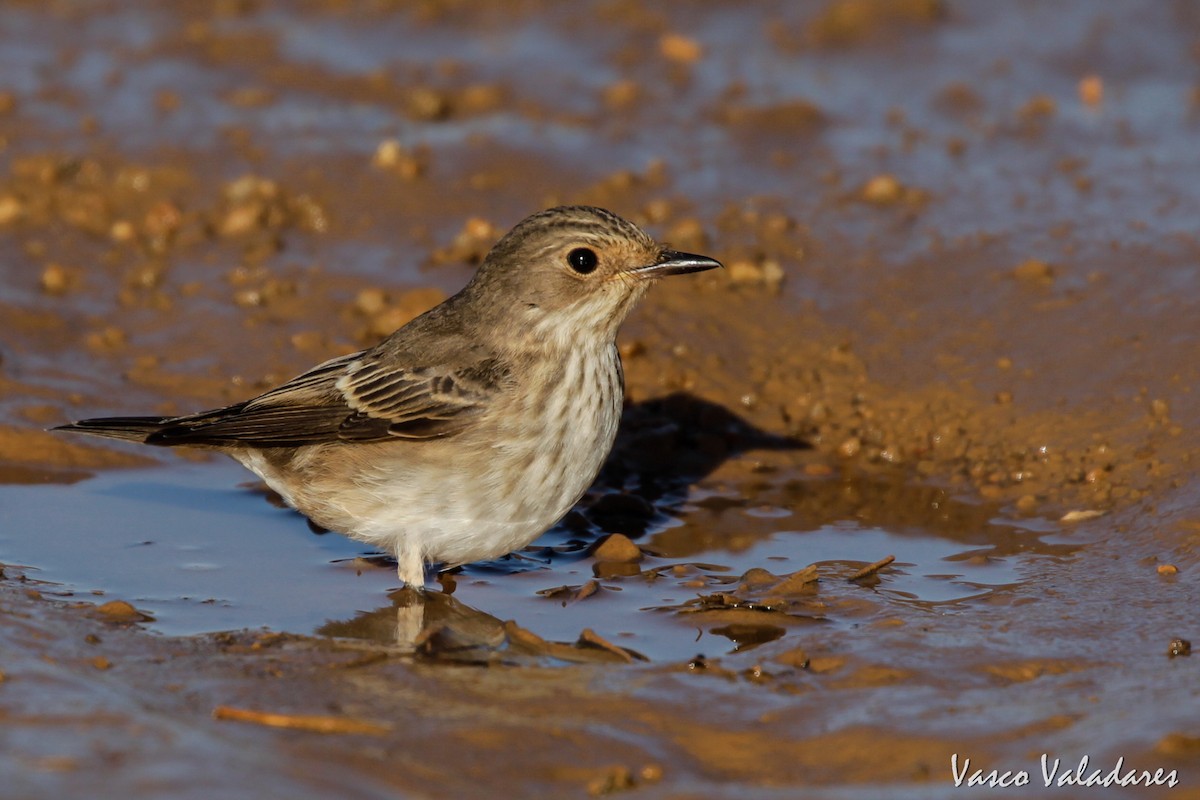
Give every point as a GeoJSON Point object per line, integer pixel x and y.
{"type": "Point", "coordinates": [664, 445]}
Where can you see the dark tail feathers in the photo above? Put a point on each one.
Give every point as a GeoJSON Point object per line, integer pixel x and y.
{"type": "Point", "coordinates": [131, 429]}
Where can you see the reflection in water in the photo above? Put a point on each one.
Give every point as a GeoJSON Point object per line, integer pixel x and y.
{"type": "Point", "coordinates": [746, 562]}
{"type": "Point", "coordinates": [435, 626]}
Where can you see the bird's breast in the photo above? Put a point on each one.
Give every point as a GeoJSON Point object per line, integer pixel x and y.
{"type": "Point", "coordinates": [557, 436]}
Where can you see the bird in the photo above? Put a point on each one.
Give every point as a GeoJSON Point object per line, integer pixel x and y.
{"type": "Point", "coordinates": [472, 429]}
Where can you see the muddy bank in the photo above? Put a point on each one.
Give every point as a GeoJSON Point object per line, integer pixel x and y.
{"type": "Point", "coordinates": [957, 326]}
{"type": "Point", "coordinates": [734, 339]}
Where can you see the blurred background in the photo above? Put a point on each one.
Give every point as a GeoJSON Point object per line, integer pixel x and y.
{"type": "Point", "coordinates": [961, 254]}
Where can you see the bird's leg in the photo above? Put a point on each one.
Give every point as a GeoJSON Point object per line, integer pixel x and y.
{"type": "Point", "coordinates": [410, 568]}
{"type": "Point", "coordinates": [410, 605]}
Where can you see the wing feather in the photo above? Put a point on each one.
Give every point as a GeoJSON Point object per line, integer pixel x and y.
{"type": "Point", "coordinates": [361, 397]}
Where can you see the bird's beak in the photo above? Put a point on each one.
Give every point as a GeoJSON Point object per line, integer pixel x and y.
{"type": "Point", "coordinates": [672, 262]}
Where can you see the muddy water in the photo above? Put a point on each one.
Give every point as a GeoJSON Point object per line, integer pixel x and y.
{"type": "Point", "coordinates": [958, 327]}
{"type": "Point", "coordinates": [191, 550]}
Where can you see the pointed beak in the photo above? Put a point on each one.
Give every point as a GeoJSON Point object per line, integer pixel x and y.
{"type": "Point", "coordinates": [672, 262]}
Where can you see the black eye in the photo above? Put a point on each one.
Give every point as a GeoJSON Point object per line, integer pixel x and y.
{"type": "Point", "coordinates": [582, 260]}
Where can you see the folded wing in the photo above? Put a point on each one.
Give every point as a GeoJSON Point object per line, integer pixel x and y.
{"type": "Point", "coordinates": [362, 397]}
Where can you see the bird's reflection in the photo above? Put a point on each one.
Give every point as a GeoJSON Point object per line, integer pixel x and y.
{"type": "Point", "coordinates": [435, 626]}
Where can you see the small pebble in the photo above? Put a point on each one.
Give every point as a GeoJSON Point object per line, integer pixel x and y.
{"type": "Point", "coordinates": [1091, 90]}
{"type": "Point", "coordinates": [651, 773]}
{"type": "Point", "coordinates": [392, 155]}
{"type": "Point", "coordinates": [882, 190]}
{"type": "Point", "coordinates": [388, 153]}
{"type": "Point", "coordinates": [1080, 516]}
{"type": "Point", "coordinates": [850, 447]}
{"type": "Point", "coordinates": [56, 279]}
{"type": "Point", "coordinates": [1034, 271]}
{"type": "Point", "coordinates": [371, 301]}
{"type": "Point", "coordinates": [428, 104]}
{"type": "Point", "coordinates": [618, 548]}
{"type": "Point", "coordinates": [768, 272]}
{"type": "Point", "coordinates": [680, 49]}
{"type": "Point", "coordinates": [118, 609]}
{"type": "Point", "coordinates": [10, 209]}
{"type": "Point", "coordinates": [241, 219]}
{"type": "Point", "coordinates": [122, 231]}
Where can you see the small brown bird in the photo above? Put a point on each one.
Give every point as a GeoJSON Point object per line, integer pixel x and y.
{"type": "Point", "coordinates": [472, 429]}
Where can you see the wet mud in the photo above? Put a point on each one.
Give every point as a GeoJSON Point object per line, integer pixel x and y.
{"type": "Point", "coordinates": [914, 477]}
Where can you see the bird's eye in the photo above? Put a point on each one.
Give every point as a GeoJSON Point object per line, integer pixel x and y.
{"type": "Point", "coordinates": [582, 260]}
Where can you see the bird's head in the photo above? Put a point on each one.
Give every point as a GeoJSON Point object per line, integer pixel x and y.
{"type": "Point", "coordinates": [570, 269]}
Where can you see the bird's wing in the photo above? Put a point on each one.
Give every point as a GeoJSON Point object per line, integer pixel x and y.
{"type": "Point", "coordinates": [361, 397]}
{"type": "Point", "coordinates": [415, 403]}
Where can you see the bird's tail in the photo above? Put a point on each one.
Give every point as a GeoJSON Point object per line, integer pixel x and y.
{"type": "Point", "coordinates": [131, 429]}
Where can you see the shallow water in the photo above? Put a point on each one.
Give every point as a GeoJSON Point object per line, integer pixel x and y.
{"type": "Point", "coordinates": [199, 549]}
{"type": "Point", "coordinates": [902, 327]}
{"type": "Point", "coordinates": [188, 546]}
